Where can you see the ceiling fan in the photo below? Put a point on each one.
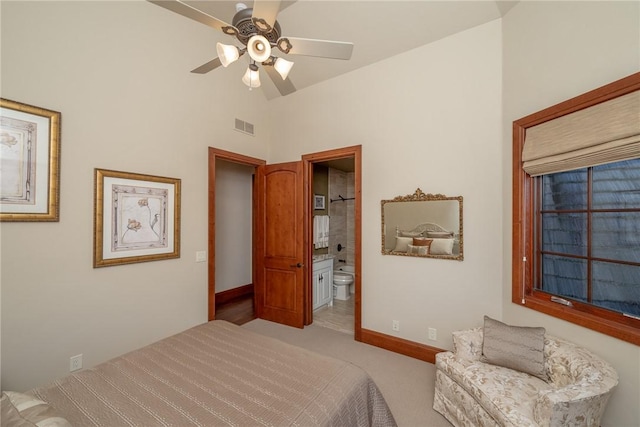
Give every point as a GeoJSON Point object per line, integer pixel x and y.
{"type": "Point", "coordinates": [260, 34]}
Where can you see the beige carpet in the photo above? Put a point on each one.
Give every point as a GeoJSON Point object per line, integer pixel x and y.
{"type": "Point", "coordinates": [406, 383]}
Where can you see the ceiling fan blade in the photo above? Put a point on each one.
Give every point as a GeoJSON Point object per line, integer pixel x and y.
{"type": "Point", "coordinates": [285, 87]}
{"type": "Point", "coordinates": [209, 66]}
{"type": "Point", "coordinates": [266, 11]}
{"type": "Point", "coordinates": [185, 10]}
{"type": "Point", "coordinates": [313, 47]}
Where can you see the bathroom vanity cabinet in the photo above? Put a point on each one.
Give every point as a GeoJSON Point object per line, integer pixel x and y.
{"type": "Point", "coordinates": [322, 282]}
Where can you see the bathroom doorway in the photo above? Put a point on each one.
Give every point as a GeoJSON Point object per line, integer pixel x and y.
{"type": "Point", "coordinates": [334, 188]}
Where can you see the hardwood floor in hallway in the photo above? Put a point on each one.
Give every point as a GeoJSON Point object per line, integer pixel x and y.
{"type": "Point", "coordinates": [238, 311]}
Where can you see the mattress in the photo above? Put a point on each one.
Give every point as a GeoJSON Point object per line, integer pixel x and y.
{"type": "Point", "coordinates": [215, 374]}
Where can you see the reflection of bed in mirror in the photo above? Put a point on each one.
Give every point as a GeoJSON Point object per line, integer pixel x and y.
{"type": "Point", "coordinates": [426, 239]}
{"type": "Point", "coordinates": [423, 225]}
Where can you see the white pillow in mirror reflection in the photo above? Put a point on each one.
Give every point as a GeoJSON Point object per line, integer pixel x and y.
{"type": "Point", "coordinates": [441, 247]}
{"type": "Point", "coordinates": [418, 250]}
{"type": "Point", "coordinates": [402, 244]}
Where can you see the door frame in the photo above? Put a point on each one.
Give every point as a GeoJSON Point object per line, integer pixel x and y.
{"type": "Point", "coordinates": [307, 169]}
{"type": "Point", "coordinates": [218, 154]}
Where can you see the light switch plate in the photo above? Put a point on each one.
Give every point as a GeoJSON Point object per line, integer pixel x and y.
{"type": "Point", "coordinates": [75, 363]}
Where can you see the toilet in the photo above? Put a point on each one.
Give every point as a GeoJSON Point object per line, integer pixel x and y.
{"type": "Point", "coordinates": [342, 280]}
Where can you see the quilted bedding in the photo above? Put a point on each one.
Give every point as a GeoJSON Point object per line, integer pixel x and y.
{"type": "Point", "coordinates": [216, 374]}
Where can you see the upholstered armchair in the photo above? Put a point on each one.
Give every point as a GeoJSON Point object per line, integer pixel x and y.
{"type": "Point", "coordinates": [573, 389]}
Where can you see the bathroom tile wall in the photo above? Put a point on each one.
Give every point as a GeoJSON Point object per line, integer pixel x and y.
{"type": "Point", "coordinates": [351, 215]}
{"type": "Point", "coordinates": [342, 214]}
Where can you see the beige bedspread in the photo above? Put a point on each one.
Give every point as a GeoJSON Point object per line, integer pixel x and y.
{"type": "Point", "coordinates": [219, 374]}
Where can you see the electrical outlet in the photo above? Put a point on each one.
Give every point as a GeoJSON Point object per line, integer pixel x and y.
{"type": "Point", "coordinates": [75, 363]}
{"type": "Point", "coordinates": [395, 325]}
{"type": "Point", "coordinates": [433, 334]}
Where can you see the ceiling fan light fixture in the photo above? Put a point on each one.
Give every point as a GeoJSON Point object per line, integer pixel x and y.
{"type": "Point", "coordinates": [283, 67]}
{"type": "Point", "coordinates": [257, 32]}
{"type": "Point", "coordinates": [227, 53]}
{"type": "Point", "coordinates": [252, 77]}
{"type": "Point", "coordinates": [259, 48]}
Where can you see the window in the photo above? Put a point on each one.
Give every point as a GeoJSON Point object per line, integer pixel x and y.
{"type": "Point", "coordinates": [587, 243]}
{"type": "Point", "coordinates": [576, 230]}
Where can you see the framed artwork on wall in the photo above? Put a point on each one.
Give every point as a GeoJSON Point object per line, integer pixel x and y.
{"type": "Point", "coordinates": [318, 201]}
{"type": "Point", "coordinates": [136, 218]}
{"type": "Point", "coordinates": [29, 162]}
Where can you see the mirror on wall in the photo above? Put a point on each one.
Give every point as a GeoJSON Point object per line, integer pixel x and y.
{"type": "Point", "coordinates": [423, 225]}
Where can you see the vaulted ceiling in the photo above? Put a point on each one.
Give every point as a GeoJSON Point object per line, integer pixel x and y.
{"type": "Point", "coordinates": [378, 29]}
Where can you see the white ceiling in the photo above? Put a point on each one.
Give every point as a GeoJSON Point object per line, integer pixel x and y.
{"type": "Point", "coordinates": [378, 30]}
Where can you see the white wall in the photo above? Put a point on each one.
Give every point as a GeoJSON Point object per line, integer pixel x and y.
{"type": "Point", "coordinates": [119, 74]}
{"type": "Point", "coordinates": [554, 51]}
{"type": "Point", "coordinates": [429, 118]}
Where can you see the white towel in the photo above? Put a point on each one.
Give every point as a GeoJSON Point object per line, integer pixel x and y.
{"type": "Point", "coordinates": [325, 229]}
{"type": "Point", "coordinates": [321, 231]}
{"type": "Point", "coordinates": [316, 231]}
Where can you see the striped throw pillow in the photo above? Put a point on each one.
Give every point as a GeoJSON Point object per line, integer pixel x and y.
{"type": "Point", "coordinates": [516, 347]}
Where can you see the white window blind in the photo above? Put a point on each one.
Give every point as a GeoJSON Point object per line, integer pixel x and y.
{"type": "Point", "coordinates": [603, 133]}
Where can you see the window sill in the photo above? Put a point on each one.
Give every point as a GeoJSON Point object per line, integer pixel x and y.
{"type": "Point", "coordinates": [617, 326]}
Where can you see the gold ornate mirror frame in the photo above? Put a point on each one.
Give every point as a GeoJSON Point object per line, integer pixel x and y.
{"type": "Point", "coordinates": [423, 225]}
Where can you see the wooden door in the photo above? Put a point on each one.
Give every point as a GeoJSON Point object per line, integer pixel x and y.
{"type": "Point", "coordinates": [280, 252]}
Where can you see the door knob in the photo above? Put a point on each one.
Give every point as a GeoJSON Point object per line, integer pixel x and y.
{"type": "Point", "coordinates": [298, 265]}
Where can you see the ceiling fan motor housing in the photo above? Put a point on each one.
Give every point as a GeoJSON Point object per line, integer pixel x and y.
{"type": "Point", "coordinates": [246, 28]}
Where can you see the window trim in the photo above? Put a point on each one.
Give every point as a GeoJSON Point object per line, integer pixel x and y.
{"type": "Point", "coordinates": [523, 292]}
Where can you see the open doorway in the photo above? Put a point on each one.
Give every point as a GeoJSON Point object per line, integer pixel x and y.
{"type": "Point", "coordinates": [277, 249]}
{"type": "Point", "coordinates": [333, 245]}
{"type": "Point", "coordinates": [231, 236]}
{"type": "Point", "coordinates": [276, 255]}
{"type": "Point", "coordinates": [334, 189]}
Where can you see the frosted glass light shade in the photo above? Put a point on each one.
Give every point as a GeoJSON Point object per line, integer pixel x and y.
{"type": "Point", "coordinates": [227, 53]}
{"type": "Point", "coordinates": [283, 67]}
{"type": "Point", "coordinates": [259, 48]}
{"type": "Point", "coordinates": [252, 77]}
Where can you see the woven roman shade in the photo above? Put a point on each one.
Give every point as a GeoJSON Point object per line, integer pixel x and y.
{"type": "Point", "coordinates": [603, 133]}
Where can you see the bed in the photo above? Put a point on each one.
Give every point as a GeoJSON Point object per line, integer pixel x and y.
{"type": "Point", "coordinates": [426, 238]}
{"type": "Point", "coordinates": [215, 374]}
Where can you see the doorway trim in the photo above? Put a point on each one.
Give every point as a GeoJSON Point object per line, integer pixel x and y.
{"type": "Point", "coordinates": [307, 166]}
{"type": "Point", "coordinates": [217, 154]}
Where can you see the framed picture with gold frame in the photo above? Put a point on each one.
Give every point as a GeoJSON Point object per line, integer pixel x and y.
{"type": "Point", "coordinates": [136, 218]}
{"type": "Point", "coordinates": [29, 162]}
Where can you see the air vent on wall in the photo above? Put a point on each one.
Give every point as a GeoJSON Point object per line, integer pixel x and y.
{"type": "Point", "coordinates": [244, 127]}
